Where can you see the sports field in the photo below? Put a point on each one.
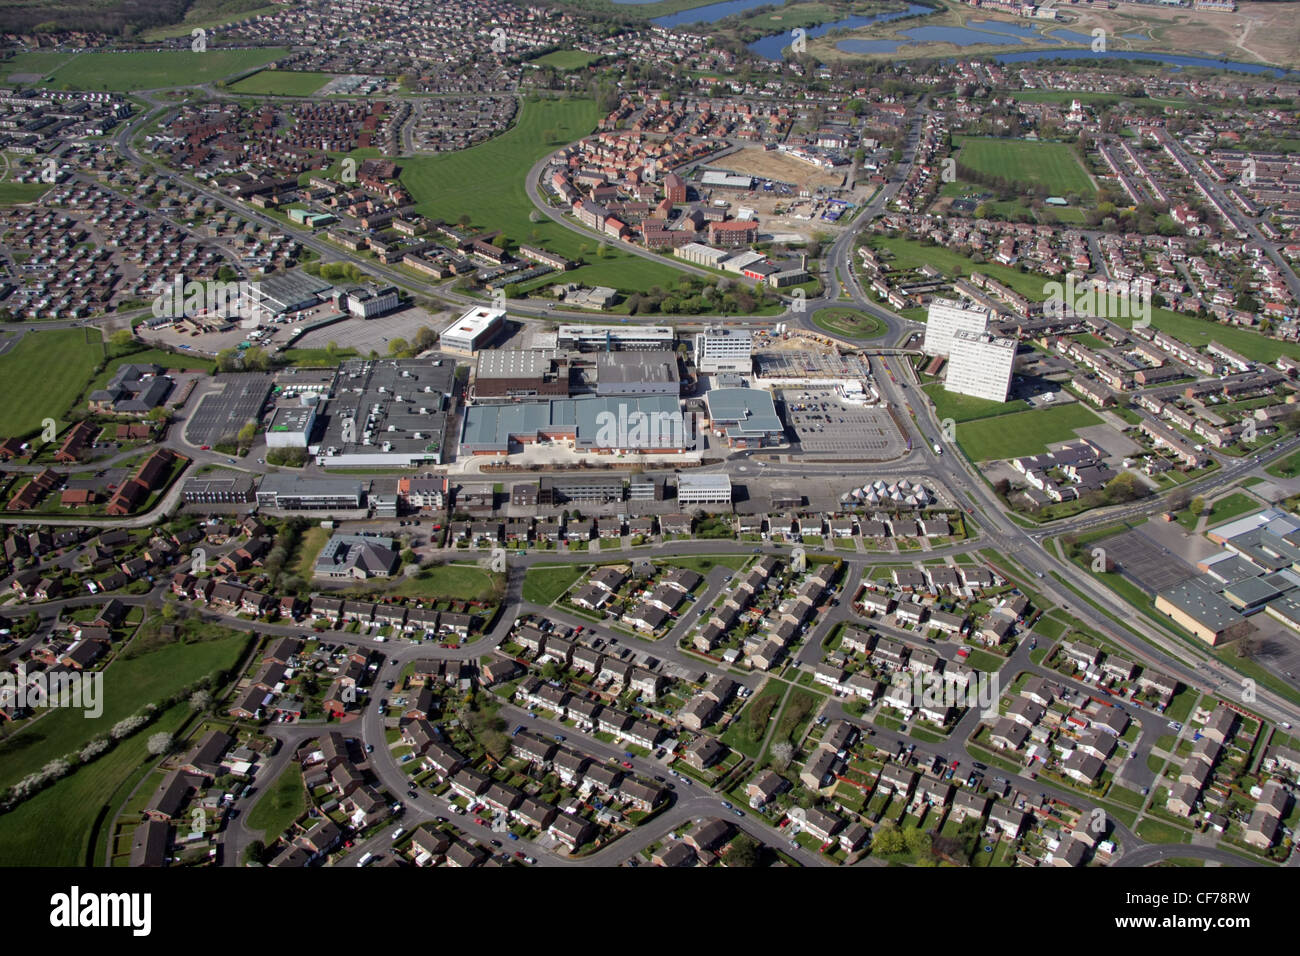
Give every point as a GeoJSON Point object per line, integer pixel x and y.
{"type": "Point", "coordinates": [1201, 332]}
{"type": "Point", "coordinates": [281, 83]}
{"type": "Point", "coordinates": [486, 182]}
{"type": "Point", "coordinates": [567, 59]}
{"type": "Point", "coordinates": [848, 322]}
{"type": "Point", "coordinates": [1022, 433]}
{"type": "Point", "coordinates": [967, 408]}
{"type": "Point", "coordinates": [43, 375]}
{"type": "Point", "coordinates": [1053, 165]}
{"type": "Point", "coordinates": [13, 193]}
{"type": "Point", "coordinates": [142, 70]}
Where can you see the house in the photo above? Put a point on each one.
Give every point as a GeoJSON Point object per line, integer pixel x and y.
{"type": "Point", "coordinates": [1007, 818]}
{"type": "Point", "coordinates": [674, 853]}
{"type": "Point", "coordinates": [819, 770]}
{"type": "Point", "coordinates": [571, 831]}
{"type": "Point", "coordinates": [822, 825]}
{"type": "Point", "coordinates": [765, 787]}
{"type": "Point", "coordinates": [205, 759]}
{"type": "Point", "coordinates": [704, 752]}
{"type": "Point", "coordinates": [170, 796]}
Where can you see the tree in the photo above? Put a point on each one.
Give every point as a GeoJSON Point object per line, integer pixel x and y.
{"type": "Point", "coordinates": [255, 852]}
{"type": "Point", "coordinates": [1178, 501]}
{"type": "Point", "coordinates": [159, 743]}
{"type": "Point", "coordinates": [247, 433]}
{"type": "Point", "coordinates": [121, 339]}
{"type": "Point", "coordinates": [1198, 505]}
{"type": "Point", "coordinates": [200, 701]}
{"type": "Point", "coordinates": [745, 851]}
{"type": "Point", "coordinates": [782, 753]}
{"type": "Point", "coordinates": [888, 839]}
{"type": "Point", "coordinates": [398, 346]}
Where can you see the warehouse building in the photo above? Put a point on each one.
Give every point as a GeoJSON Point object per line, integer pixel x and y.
{"type": "Point", "coordinates": [745, 416]}
{"type": "Point", "coordinates": [227, 489]}
{"type": "Point", "coordinates": [472, 331]}
{"type": "Point", "coordinates": [519, 375]}
{"type": "Point", "coordinates": [389, 414]}
{"type": "Point", "coordinates": [282, 294]}
{"type": "Point", "coordinates": [291, 426]}
{"type": "Point", "coordinates": [611, 338]}
{"type": "Point", "coordinates": [652, 424]}
{"type": "Point", "coordinates": [283, 492]}
{"type": "Point", "coordinates": [640, 373]}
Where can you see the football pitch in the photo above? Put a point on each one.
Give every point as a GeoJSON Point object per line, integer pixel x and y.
{"type": "Point", "coordinates": [1053, 165]}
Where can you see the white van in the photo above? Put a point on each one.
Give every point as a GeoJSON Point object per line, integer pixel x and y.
{"type": "Point", "coordinates": [369, 857]}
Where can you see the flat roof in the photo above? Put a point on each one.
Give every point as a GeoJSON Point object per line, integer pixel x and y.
{"type": "Point", "coordinates": [703, 482]}
{"type": "Point", "coordinates": [656, 366]}
{"type": "Point", "coordinates": [512, 363]}
{"type": "Point", "coordinates": [1201, 603]}
{"type": "Point", "coordinates": [291, 418]}
{"type": "Point", "coordinates": [752, 409]}
{"type": "Point", "coordinates": [475, 322]}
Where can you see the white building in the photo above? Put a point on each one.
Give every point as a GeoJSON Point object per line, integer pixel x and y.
{"type": "Point", "coordinates": [946, 318]}
{"type": "Point", "coordinates": [370, 301]}
{"type": "Point", "coordinates": [472, 330]}
{"type": "Point", "coordinates": [290, 426]}
{"type": "Point", "coordinates": [724, 350]}
{"type": "Point", "coordinates": [980, 365]}
{"type": "Point", "coordinates": [703, 489]}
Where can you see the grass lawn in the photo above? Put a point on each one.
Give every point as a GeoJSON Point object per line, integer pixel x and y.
{"type": "Point", "coordinates": [567, 59]}
{"type": "Point", "coordinates": [1022, 433]}
{"type": "Point", "coordinates": [282, 83]}
{"type": "Point", "coordinates": [1288, 467]}
{"type": "Point", "coordinates": [486, 182]}
{"type": "Point", "coordinates": [1053, 165]}
{"type": "Point", "coordinates": [309, 548]}
{"type": "Point", "coordinates": [1201, 332]}
{"type": "Point", "coordinates": [13, 193]}
{"type": "Point", "coordinates": [75, 802]}
{"type": "Point", "coordinates": [458, 582]}
{"type": "Point", "coordinates": [1232, 506]}
{"type": "Point", "coordinates": [849, 322]}
{"type": "Point", "coordinates": [44, 374]}
{"type": "Point", "coordinates": [967, 408]}
{"type": "Point", "coordinates": [703, 564]}
{"type": "Point", "coordinates": [1155, 831]}
{"type": "Point", "coordinates": [279, 806]}
{"type": "Point", "coordinates": [152, 69]}
{"type": "Point", "coordinates": [543, 584]}
{"type": "Point", "coordinates": [128, 685]}
{"type": "Point", "coordinates": [913, 254]}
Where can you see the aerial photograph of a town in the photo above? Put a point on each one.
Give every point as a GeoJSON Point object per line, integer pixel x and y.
{"type": "Point", "coordinates": [616, 434]}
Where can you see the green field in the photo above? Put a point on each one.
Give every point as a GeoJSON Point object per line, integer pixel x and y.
{"type": "Point", "coordinates": [567, 59]}
{"type": "Point", "coordinates": [486, 182]}
{"type": "Point", "coordinates": [142, 70]}
{"type": "Point", "coordinates": [281, 804]}
{"type": "Point", "coordinates": [75, 802]}
{"type": "Point", "coordinates": [281, 83]}
{"type": "Point", "coordinates": [1053, 165]}
{"type": "Point", "coordinates": [1288, 467]}
{"type": "Point", "coordinates": [543, 584]}
{"type": "Point", "coordinates": [967, 408]}
{"type": "Point", "coordinates": [912, 254]}
{"type": "Point", "coordinates": [43, 375]}
{"type": "Point", "coordinates": [849, 323]}
{"type": "Point", "coordinates": [128, 685]}
{"type": "Point", "coordinates": [1233, 506]}
{"type": "Point", "coordinates": [456, 582]}
{"type": "Point", "coordinates": [13, 193]}
{"type": "Point", "coordinates": [1201, 332]}
{"type": "Point", "coordinates": [211, 13]}
{"type": "Point", "coordinates": [1022, 433]}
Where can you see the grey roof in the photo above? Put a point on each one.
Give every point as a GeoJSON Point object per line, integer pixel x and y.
{"type": "Point", "coordinates": [751, 409]}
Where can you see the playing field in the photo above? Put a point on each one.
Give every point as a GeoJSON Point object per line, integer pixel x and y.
{"type": "Point", "coordinates": [281, 83]}
{"type": "Point", "coordinates": [13, 193]}
{"type": "Point", "coordinates": [967, 408]}
{"type": "Point", "coordinates": [43, 375]}
{"type": "Point", "coordinates": [567, 59]}
{"type": "Point", "coordinates": [1201, 332]}
{"type": "Point", "coordinates": [486, 183]}
{"type": "Point", "coordinates": [1022, 433]}
{"type": "Point", "coordinates": [848, 322]}
{"type": "Point", "coordinates": [143, 70]}
{"type": "Point", "coordinates": [1053, 165]}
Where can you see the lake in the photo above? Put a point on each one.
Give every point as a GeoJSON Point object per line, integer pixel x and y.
{"type": "Point", "coordinates": [770, 47]}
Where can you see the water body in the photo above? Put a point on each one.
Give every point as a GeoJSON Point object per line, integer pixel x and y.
{"type": "Point", "coordinates": [770, 47]}
{"type": "Point", "coordinates": [708, 14]}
